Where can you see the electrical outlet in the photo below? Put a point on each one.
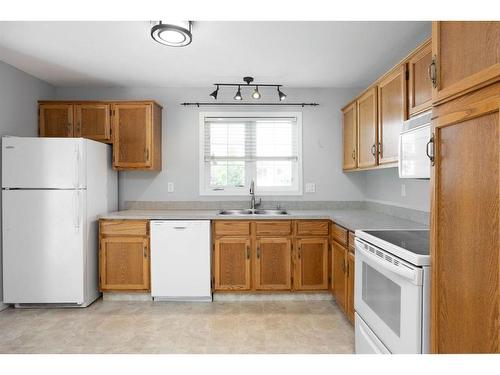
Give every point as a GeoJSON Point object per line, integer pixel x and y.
{"type": "Point", "coordinates": [310, 187]}
{"type": "Point", "coordinates": [403, 190]}
{"type": "Point", "coordinates": [170, 187]}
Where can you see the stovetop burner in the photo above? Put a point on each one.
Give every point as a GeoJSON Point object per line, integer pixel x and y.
{"type": "Point", "coordinates": [416, 241]}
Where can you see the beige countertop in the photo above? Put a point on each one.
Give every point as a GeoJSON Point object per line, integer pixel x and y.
{"type": "Point", "coordinates": [350, 219]}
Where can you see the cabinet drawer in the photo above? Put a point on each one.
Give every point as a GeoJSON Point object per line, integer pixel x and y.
{"type": "Point", "coordinates": [312, 227]}
{"type": "Point", "coordinates": [339, 234]}
{"type": "Point", "coordinates": [351, 241]}
{"type": "Point", "coordinates": [124, 227]}
{"type": "Point", "coordinates": [273, 228]}
{"type": "Point", "coordinates": [231, 228]}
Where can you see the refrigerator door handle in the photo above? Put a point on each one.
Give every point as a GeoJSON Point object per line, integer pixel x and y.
{"type": "Point", "coordinates": [77, 167]}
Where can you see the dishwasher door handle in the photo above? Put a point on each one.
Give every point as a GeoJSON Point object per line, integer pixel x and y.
{"type": "Point", "coordinates": [179, 228]}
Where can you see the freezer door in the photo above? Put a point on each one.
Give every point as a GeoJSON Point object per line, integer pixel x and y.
{"type": "Point", "coordinates": [43, 242]}
{"type": "Point", "coordinates": [43, 163]}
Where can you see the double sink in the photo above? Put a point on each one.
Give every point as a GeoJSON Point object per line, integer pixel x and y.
{"type": "Point", "coordinates": [253, 212]}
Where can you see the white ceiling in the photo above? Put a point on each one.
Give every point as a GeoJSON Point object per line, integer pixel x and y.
{"type": "Point", "coordinates": [295, 54]}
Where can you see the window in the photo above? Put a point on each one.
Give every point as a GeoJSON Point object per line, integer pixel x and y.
{"type": "Point", "coordinates": [236, 148]}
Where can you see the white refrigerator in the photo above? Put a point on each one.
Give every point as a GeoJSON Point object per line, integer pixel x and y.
{"type": "Point", "coordinates": [53, 190]}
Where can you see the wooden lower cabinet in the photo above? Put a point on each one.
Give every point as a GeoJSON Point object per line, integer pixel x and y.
{"type": "Point", "coordinates": [232, 260]}
{"type": "Point", "coordinates": [465, 253]}
{"type": "Point", "coordinates": [350, 287]}
{"type": "Point", "coordinates": [273, 264]}
{"type": "Point", "coordinates": [339, 280]}
{"type": "Point", "coordinates": [343, 275]}
{"type": "Point", "coordinates": [311, 264]}
{"type": "Point", "coordinates": [124, 255]}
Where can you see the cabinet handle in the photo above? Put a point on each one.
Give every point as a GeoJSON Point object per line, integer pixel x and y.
{"type": "Point", "coordinates": [258, 252]}
{"type": "Point", "coordinates": [429, 154]}
{"type": "Point", "coordinates": [248, 252]}
{"type": "Point", "coordinates": [300, 250]}
{"type": "Point", "coordinates": [374, 148]}
{"type": "Point", "coordinates": [433, 72]}
{"type": "Point", "coordinates": [353, 155]}
{"type": "Point", "coordinates": [380, 148]}
{"type": "Point", "coordinates": [146, 154]}
{"type": "Point", "coordinates": [145, 252]}
{"type": "Point", "coordinates": [347, 269]}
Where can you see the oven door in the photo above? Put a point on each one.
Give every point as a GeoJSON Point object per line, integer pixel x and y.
{"type": "Point", "coordinates": [388, 297]}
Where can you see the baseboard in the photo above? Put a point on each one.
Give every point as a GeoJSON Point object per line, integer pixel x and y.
{"type": "Point", "coordinates": [125, 296]}
{"type": "Point", "coordinates": [255, 297]}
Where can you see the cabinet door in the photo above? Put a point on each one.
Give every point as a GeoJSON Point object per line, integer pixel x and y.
{"type": "Point", "coordinates": [312, 264]}
{"type": "Point", "coordinates": [391, 114]}
{"type": "Point", "coordinates": [467, 56]}
{"type": "Point", "coordinates": [339, 260]}
{"type": "Point", "coordinates": [55, 120]}
{"type": "Point", "coordinates": [132, 139]}
{"type": "Point", "coordinates": [350, 287]}
{"type": "Point", "coordinates": [419, 81]}
{"type": "Point", "coordinates": [367, 128]}
{"type": "Point", "coordinates": [465, 231]}
{"type": "Point", "coordinates": [124, 263]}
{"type": "Point", "coordinates": [93, 121]}
{"type": "Point", "coordinates": [232, 264]}
{"type": "Point", "coordinates": [350, 136]}
{"type": "Point", "coordinates": [273, 264]}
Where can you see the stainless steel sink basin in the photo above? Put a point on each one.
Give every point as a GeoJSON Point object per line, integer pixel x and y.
{"type": "Point", "coordinates": [253, 212]}
{"type": "Point", "coordinates": [270, 212]}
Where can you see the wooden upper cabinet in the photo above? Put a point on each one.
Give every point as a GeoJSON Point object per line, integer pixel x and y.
{"type": "Point", "coordinates": [392, 103]}
{"type": "Point", "coordinates": [349, 136]}
{"type": "Point", "coordinates": [339, 261]}
{"type": "Point", "coordinates": [55, 120]}
{"type": "Point", "coordinates": [232, 260]}
{"type": "Point", "coordinates": [465, 225]}
{"type": "Point", "coordinates": [311, 266]}
{"type": "Point", "coordinates": [367, 128]}
{"type": "Point", "coordinates": [124, 263]}
{"type": "Point", "coordinates": [273, 264]}
{"type": "Point", "coordinates": [467, 56]}
{"type": "Point", "coordinates": [137, 136]}
{"type": "Point", "coordinates": [419, 81]}
{"type": "Point", "coordinates": [93, 121]}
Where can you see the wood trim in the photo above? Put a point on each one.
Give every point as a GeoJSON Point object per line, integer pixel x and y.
{"type": "Point", "coordinates": [124, 227]}
{"type": "Point", "coordinates": [100, 102]}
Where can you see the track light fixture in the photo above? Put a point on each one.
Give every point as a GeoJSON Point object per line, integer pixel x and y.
{"type": "Point", "coordinates": [238, 94]}
{"type": "Point", "coordinates": [256, 93]}
{"type": "Point", "coordinates": [214, 94]}
{"type": "Point", "coordinates": [248, 83]}
{"type": "Point", "coordinates": [281, 95]}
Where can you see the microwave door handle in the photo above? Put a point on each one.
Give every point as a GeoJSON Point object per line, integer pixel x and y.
{"type": "Point", "coordinates": [403, 272]}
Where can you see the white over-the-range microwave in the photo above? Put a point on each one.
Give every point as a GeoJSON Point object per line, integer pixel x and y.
{"type": "Point", "coordinates": [416, 147]}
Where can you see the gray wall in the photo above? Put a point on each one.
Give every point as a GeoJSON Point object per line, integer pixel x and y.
{"type": "Point", "coordinates": [322, 142]}
{"type": "Point", "coordinates": [19, 93]}
{"type": "Point", "coordinates": [384, 186]}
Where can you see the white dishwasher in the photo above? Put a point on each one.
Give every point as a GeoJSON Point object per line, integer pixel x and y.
{"type": "Point", "coordinates": [180, 260]}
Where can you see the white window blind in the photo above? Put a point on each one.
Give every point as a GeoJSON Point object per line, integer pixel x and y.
{"type": "Point", "coordinates": [236, 150]}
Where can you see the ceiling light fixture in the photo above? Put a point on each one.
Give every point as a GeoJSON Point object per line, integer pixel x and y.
{"type": "Point", "coordinates": [255, 94]}
{"type": "Point", "coordinates": [281, 95]}
{"type": "Point", "coordinates": [172, 33]}
{"type": "Point", "coordinates": [238, 94]}
{"type": "Point", "coordinates": [214, 94]}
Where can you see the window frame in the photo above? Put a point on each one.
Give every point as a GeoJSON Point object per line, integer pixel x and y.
{"type": "Point", "coordinates": [205, 190]}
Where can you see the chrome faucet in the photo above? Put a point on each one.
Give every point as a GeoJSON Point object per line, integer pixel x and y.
{"type": "Point", "coordinates": [253, 204]}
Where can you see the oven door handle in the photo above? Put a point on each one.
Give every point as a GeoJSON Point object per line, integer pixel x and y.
{"type": "Point", "coordinates": [402, 271]}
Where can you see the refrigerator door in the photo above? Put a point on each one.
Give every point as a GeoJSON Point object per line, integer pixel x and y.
{"type": "Point", "coordinates": [43, 163]}
{"type": "Point", "coordinates": [43, 246]}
